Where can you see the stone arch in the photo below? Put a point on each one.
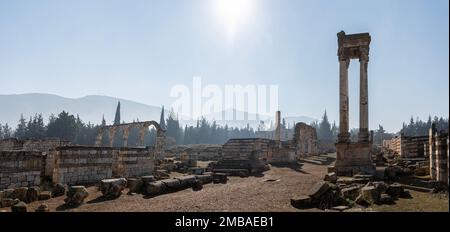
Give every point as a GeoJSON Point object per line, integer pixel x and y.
{"type": "Point", "coordinates": [142, 126]}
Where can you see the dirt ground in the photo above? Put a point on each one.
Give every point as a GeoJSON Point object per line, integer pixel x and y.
{"type": "Point", "coordinates": [270, 192]}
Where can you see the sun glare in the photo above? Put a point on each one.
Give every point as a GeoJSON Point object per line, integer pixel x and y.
{"type": "Point", "coordinates": [232, 14]}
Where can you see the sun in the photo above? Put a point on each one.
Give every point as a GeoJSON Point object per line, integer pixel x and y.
{"type": "Point", "coordinates": [233, 14]}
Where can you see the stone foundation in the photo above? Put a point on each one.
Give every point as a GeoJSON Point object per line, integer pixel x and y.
{"type": "Point", "coordinates": [20, 168]}
{"type": "Point", "coordinates": [353, 158]}
{"type": "Point", "coordinates": [84, 165]}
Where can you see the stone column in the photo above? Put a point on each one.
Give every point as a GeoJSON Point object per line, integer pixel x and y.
{"type": "Point", "coordinates": [278, 127]}
{"type": "Point", "coordinates": [441, 158]}
{"type": "Point", "coordinates": [344, 135]}
{"type": "Point", "coordinates": [363, 135]}
{"type": "Point", "coordinates": [432, 152]}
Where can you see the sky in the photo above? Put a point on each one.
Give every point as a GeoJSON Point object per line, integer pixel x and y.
{"type": "Point", "coordinates": [139, 50]}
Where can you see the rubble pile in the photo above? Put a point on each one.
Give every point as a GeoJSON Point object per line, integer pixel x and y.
{"type": "Point", "coordinates": [344, 193]}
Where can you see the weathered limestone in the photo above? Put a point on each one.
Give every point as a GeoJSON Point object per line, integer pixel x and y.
{"type": "Point", "coordinates": [442, 157]}
{"type": "Point", "coordinates": [112, 188]}
{"type": "Point", "coordinates": [20, 168]}
{"type": "Point", "coordinates": [305, 140]}
{"type": "Point", "coordinates": [432, 143]}
{"type": "Point", "coordinates": [407, 146]}
{"type": "Point", "coordinates": [154, 188]}
{"type": "Point", "coordinates": [44, 195]}
{"type": "Point", "coordinates": [58, 190]}
{"type": "Point", "coordinates": [33, 194]}
{"type": "Point", "coordinates": [245, 154]}
{"type": "Point", "coordinates": [76, 195]}
{"type": "Point", "coordinates": [20, 207]}
{"type": "Point", "coordinates": [278, 127]}
{"type": "Point", "coordinates": [135, 185]}
{"type": "Point", "coordinates": [353, 158]}
{"type": "Point", "coordinates": [42, 208]}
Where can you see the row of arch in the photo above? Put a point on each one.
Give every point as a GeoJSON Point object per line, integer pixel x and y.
{"type": "Point", "coordinates": [111, 130]}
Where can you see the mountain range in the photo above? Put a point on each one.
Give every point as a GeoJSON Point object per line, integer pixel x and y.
{"type": "Point", "coordinates": [92, 108]}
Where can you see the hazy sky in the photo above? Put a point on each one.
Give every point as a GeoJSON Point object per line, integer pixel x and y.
{"type": "Point", "coordinates": [138, 50]}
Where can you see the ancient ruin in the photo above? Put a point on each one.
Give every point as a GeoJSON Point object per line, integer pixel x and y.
{"type": "Point", "coordinates": [353, 157]}
{"type": "Point", "coordinates": [305, 140]}
{"type": "Point", "coordinates": [408, 146]}
{"type": "Point", "coordinates": [439, 155]}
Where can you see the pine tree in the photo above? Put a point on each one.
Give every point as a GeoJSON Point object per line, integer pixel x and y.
{"type": "Point", "coordinates": [103, 121]}
{"type": "Point", "coordinates": [325, 129]}
{"type": "Point", "coordinates": [117, 116]}
{"type": "Point", "coordinates": [21, 130]}
{"type": "Point", "coordinates": [7, 132]}
{"type": "Point", "coordinates": [162, 121]}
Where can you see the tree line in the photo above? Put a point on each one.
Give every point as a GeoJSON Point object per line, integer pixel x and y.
{"type": "Point", "coordinates": [70, 127]}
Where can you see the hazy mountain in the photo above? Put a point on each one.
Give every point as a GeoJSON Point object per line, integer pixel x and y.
{"type": "Point", "coordinates": [92, 107]}
{"type": "Point", "coordinates": [89, 108]}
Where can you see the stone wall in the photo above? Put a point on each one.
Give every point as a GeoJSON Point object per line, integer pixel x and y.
{"type": "Point", "coordinates": [83, 165]}
{"type": "Point", "coordinates": [20, 168]}
{"type": "Point", "coordinates": [31, 144]}
{"type": "Point", "coordinates": [407, 146]}
{"type": "Point", "coordinates": [204, 152]}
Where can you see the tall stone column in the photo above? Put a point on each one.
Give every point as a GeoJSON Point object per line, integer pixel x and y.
{"type": "Point", "coordinates": [441, 158]}
{"type": "Point", "coordinates": [432, 156]}
{"type": "Point", "coordinates": [344, 135]}
{"type": "Point", "coordinates": [363, 135]}
{"type": "Point", "coordinates": [278, 127]}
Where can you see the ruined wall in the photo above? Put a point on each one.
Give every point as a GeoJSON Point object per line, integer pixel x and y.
{"type": "Point", "coordinates": [81, 165]}
{"type": "Point", "coordinates": [407, 146]}
{"type": "Point", "coordinates": [249, 154]}
{"type": "Point", "coordinates": [204, 152]}
{"type": "Point", "coordinates": [32, 144]}
{"type": "Point", "coordinates": [282, 154]}
{"type": "Point", "coordinates": [20, 168]}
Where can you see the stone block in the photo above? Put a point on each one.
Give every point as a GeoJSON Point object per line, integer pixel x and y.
{"type": "Point", "coordinates": [302, 202]}
{"type": "Point", "coordinates": [112, 188]}
{"type": "Point", "coordinates": [42, 208]}
{"type": "Point", "coordinates": [154, 188]}
{"type": "Point", "coordinates": [395, 190]}
{"type": "Point", "coordinates": [331, 177]}
{"type": "Point", "coordinates": [172, 184]}
{"type": "Point", "coordinates": [351, 192]}
{"type": "Point", "coordinates": [319, 189]}
{"type": "Point", "coordinates": [187, 181]}
{"type": "Point", "coordinates": [20, 193]}
{"type": "Point", "coordinates": [147, 179]}
{"type": "Point", "coordinates": [20, 207]}
{"type": "Point", "coordinates": [33, 194]}
{"type": "Point", "coordinates": [135, 185]}
{"type": "Point", "coordinates": [76, 195]}
{"type": "Point", "coordinates": [370, 194]}
{"type": "Point", "coordinates": [58, 190]}
{"type": "Point", "coordinates": [44, 195]}
{"type": "Point", "coordinates": [205, 179]}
